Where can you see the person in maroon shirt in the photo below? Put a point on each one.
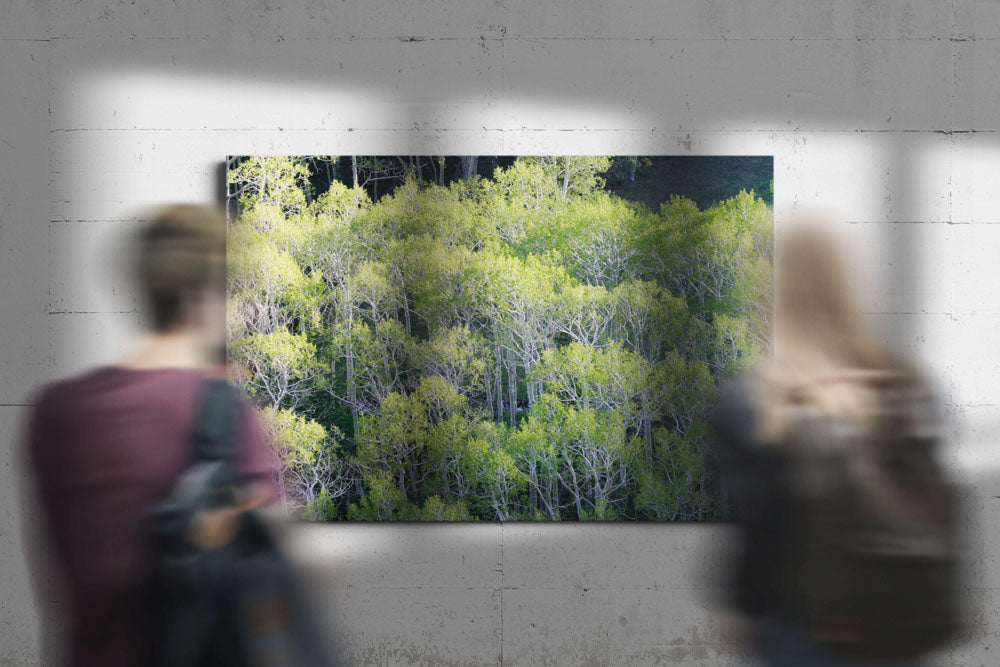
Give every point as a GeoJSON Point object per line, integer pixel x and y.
{"type": "Point", "coordinates": [108, 445]}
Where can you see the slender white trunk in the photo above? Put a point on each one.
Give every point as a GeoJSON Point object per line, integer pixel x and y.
{"type": "Point", "coordinates": [512, 390]}
{"type": "Point", "coordinates": [565, 186]}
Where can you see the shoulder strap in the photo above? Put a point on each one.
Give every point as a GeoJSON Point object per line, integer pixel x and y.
{"type": "Point", "coordinates": [208, 479]}
{"type": "Point", "coordinates": [216, 418]}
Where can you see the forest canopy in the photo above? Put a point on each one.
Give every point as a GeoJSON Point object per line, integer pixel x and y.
{"type": "Point", "coordinates": [462, 338]}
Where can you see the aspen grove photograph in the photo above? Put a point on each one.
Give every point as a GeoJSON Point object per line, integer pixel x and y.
{"type": "Point", "coordinates": [496, 338]}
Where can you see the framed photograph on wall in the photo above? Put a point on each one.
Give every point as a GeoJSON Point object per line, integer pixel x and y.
{"type": "Point", "coordinates": [496, 338]}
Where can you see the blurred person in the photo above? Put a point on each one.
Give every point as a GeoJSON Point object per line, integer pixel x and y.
{"type": "Point", "coordinates": [109, 445]}
{"type": "Point", "coordinates": [847, 526]}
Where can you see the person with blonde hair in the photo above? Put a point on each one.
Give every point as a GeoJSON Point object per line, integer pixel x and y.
{"type": "Point", "coordinates": [847, 550]}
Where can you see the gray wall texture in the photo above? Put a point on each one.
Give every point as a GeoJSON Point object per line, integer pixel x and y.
{"type": "Point", "coordinates": [885, 113]}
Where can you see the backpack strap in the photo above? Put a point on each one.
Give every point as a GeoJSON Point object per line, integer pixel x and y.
{"type": "Point", "coordinates": [211, 478]}
{"type": "Point", "coordinates": [214, 436]}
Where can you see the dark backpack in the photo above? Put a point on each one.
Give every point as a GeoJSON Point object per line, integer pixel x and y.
{"type": "Point", "coordinates": [239, 605]}
{"type": "Point", "coordinates": [874, 549]}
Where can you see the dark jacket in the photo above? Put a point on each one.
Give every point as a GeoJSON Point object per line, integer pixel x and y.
{"type": "Point", "coordinates": [755, 479]}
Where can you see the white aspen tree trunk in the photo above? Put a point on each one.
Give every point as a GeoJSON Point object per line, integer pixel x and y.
{"type": "Point", "coordinates": [647, 431]}
{"type": "Point", "coordinates": [498, 380]}
{"type": "Point", "coordinates": [512, 389]}
{"type": "Point", "coordinates": [307, 190]}
{"type": "Point", "coordinates": [565, 186]}
{"type": "Point", "coordinates": [552, 499]}
{"type": "Point", "coordinates": [352, 389]}
{"type": "Point", "coordinates": [470, 164]}
{"type": "Point", "coordinates": [406, 313]}
{"type": "Point", "coordinates": [488, 381]}
{"type": "Point", "coordinates": [576, 493]}
{"type": "Point", "coordinates": [529, 385]}
{"type": "Point", "coordinates": [230, 196]}
{"type": "Point", "coordinates": [532, 490]}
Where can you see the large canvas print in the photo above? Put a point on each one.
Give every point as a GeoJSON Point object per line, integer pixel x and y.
{"type": "Point", "coordinates": [496, 338]}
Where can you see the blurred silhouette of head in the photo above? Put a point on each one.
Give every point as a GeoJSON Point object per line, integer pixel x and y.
{"type": "Point", "coordinates": [816, 310]}
{"type": "Point", "coordinates": [180, 266]}
{"type": "Point", "coordinates": [820, 336]}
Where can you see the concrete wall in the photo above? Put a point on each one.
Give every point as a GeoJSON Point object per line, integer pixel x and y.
{"type": "Point", "coordinates": [887, 112]}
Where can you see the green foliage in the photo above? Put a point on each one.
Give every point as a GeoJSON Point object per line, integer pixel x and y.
{"type": "Point", "coordinates": [275, 181]}
{"type": "Point", "coordinates": [525, 346]}
{"type": "Point", "coordinates": [297, 440]}
{"type": "Point", "coordinates": [609, 378]}
{"type": "Point", "coordinates": [456, 354]}
{"type": "Point", "coordinates": [340, 203]}
{"type": "Point", "coordinates": [268, 288]}
{"type": "Point", "coordinates": [435, 509]}
{"type": "Point", "coordinates": [392, 438]}
{"type": "Point", "coordinates": [575, 458]}
{"type": "Point", "coordinates": [575, 176]}
{"type": "Point", "coordinates": [603, 511]}
{"type": "Point", "coordinates": [377, 359]}
{"type": "Point", "coordinates": [277, 366]}
{"type": "Point", "coordinates": [592, 235]}
{"type": "Point", "coordinates": [677, 485]}
{"type": "Point", "coordinates": [321, 508]}
{"type": "Point", "coordinates": [383, 501]}
{"type": "Point", "coordinates": [310, 462]}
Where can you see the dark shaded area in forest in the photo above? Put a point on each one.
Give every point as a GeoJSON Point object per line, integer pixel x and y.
{"type": "Point", "coordinates": [706, 180]}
